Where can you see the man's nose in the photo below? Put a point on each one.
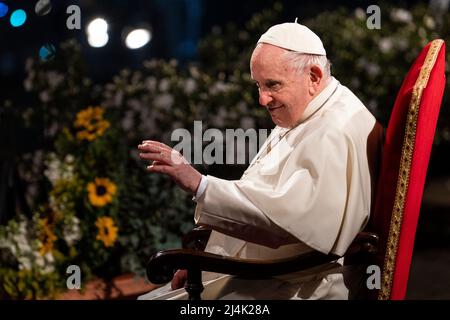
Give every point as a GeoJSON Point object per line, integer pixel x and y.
{"type": "Point", "coordinates": [265, 98]}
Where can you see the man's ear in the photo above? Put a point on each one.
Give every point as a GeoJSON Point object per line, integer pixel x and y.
{"type": "Point", "coordinates": [315, 79]}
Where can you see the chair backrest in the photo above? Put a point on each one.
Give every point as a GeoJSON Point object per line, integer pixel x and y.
{"type": "Point", "coordinates": [404, 163]}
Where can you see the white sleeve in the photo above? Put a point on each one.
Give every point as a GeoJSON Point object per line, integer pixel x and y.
{"type": "Point", "coordinates": [201, 189]}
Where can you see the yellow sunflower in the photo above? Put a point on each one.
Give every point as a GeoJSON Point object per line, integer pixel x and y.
{"type": "Point", "coordinates": [46, 236]}
{"type": "Point", "coordinates": [101, 191]}
{"type": "Point", "coordinates": [107, 231]}
{"type": "Point", "coordinates": [90, 123]}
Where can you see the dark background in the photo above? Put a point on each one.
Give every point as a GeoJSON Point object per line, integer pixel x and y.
{"type": "Point", "coordinates": [176, 25]}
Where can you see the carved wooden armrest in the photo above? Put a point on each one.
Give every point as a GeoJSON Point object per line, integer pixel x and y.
{"type": "Point", "coordinates": [162, 265]}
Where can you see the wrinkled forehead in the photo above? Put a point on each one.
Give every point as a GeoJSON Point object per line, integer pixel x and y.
{"type": "Point", "coordinates": [267, 51]}
{"type": "Point", "coordinates": [266, 55]}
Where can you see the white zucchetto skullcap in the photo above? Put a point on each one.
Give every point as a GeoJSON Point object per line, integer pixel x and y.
{"type": "Point", "coordinates": [294, 37]}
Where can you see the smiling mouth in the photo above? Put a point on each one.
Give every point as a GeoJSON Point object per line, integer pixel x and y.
{"type": "Point", "coordinates": [274, 108]}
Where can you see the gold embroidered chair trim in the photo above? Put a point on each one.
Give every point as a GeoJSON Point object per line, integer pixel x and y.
{"type": "Point", "coordinates": [404, 172]}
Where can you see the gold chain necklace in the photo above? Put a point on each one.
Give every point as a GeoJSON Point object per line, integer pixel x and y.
{"type": "Point", "coordinates": [269, 144]}
{"type": "Point", "coordinates": [280, 137]}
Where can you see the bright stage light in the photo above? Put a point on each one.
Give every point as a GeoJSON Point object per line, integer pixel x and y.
{"type": "Point", "coordinates": [97, 32]}
{"type": "Point", "coordinates": [3, 9]}
{"type": "Point", "coordinates": [43, 7]}
{"type": "Point", "coordinates": [96, 26]}
{"type": "Point", "coordinates": [99, 40]}
{"type": "Point", "coordinates": [18, 18]}
{"type": "Point", "coordinates": [138, 38]}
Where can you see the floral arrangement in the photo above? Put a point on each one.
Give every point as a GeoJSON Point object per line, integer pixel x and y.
{"type": "Point", "coordinates": [101, 213]}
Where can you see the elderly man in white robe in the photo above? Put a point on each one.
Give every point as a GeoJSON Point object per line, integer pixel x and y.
{"type": "Point", "coordinates": [308, 188]}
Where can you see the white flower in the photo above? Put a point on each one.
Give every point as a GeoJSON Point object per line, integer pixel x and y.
{"type": "Point", "coordinates": [54, 79]}
{"type": "Point", "coordinates": [118, 98]}
{"type": "Point", "coordinates": [24, 263]}
{"type": "Point", "coordinates": [128, 120]}
{"type": "Point", "coordinates": [17, 240]}
{"type": "Point", "coordinates": [429, 22]}
{"type": "Point", "coordinates": [164, 101]}
{"type": "Point", "coordinates": [44, 96]}
{"type": "Point", "coordinates": [190, 86]}
{"type": "Point", "coordinates": [218, 87]}
{"type": "Point", "coordinates": [69, 158]}
{"type": "Point", "coordinates": [164, 85]}
{"type": "Point", "coordinates": [173, 62]}
{"type": "Point", "coordinates": [53, 171]}
{"type": "Point", "coordinates": [71, 231]}
{"type": "Point", "coordinates": [57, 170]}
{"type": "Point", "coordinates": [68, 172]}
{"type": "Point", "coordinates": [136, 78]}
{"type": "Point", "coordinates": [401, 15]}
{"type": "Point", "coordinates": [23, 227]}
{"type": "Point", "coordinates": [150, 64]}
{"type": "Point", "coordinates": [49, 263]}
{"type": "Point", "coordinates": [22, 243]}
{"type": "Point", "coordinates": [125, 73]}
{"type": "Point", "coordinates": [360, 14]}
{"type": "Point", "coordinates": [136, 104]}
{"type": "Point", "coordinates": [150, 83]}
{"type": "Point", "coordinates": [385, 45]}
{"type": "Point", "coordinates": [373, 69]}
{"type": "Point", "coordinates": [38, 259]}
{"type": "Point", "coordinates": [28, 84]}
{"type": "Point", "coordinates": [8, 244]}
{"type": "Point", "coordinates": [194, 72]}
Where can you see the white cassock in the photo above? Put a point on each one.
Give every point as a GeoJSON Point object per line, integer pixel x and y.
{"type": "Point", "coordinates": [312, 191]}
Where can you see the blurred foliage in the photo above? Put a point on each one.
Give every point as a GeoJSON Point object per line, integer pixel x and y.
{"type": "Point", "coordinates": [372, 63]}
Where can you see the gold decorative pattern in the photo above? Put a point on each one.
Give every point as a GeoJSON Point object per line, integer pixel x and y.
{"type": "Point", "coordinates": [404, 172]}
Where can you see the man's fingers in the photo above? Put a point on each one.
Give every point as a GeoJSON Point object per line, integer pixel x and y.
{"type": "Point", "coordinates": [153, 156]}
{"type": "Point", "coordinates": [160, 168]}
{"type": "Point", "coordinates": [179, 279]}
{"type": "Point", "coordinates": [154, 145]}
{"type": "Point", "coordinates": [162, 157]}
{"type": "Point", "coordinates": [149, 148]}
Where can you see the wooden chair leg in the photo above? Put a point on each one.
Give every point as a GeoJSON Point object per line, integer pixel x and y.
{"type": "Point", "coordinates": [194, 285]}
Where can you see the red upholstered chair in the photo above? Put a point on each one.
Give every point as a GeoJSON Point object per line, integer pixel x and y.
{"type": "Point", "coordinates": [389, 237]}
{"type": "Point", "coordinates": [406, 152]}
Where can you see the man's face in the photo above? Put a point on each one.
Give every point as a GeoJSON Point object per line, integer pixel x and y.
{"type": "Point", "coordinates": [282, 91]}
